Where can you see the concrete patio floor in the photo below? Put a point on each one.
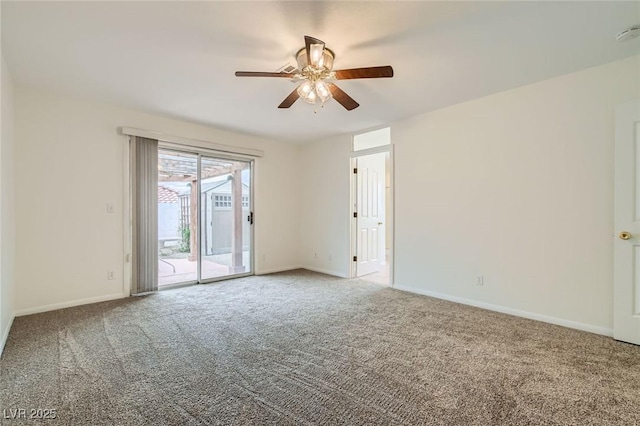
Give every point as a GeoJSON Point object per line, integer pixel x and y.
{"type": "Point", "coordinates": [214, 266]}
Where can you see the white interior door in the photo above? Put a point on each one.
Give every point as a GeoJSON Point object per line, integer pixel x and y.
{"type": "Point", "coordinates": [370, 209]}
{"type": "Point", "coordinates": [626, 299]}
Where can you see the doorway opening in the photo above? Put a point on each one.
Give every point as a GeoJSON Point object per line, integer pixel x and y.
{"type": "Point", "coordinates": [204, 217]}
{"type": "Point", "coordinates": [372, 207]}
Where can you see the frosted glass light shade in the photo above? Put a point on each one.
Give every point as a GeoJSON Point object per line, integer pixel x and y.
{"type": "Point", "coordinates": [307, 92]}
{"type": "Point", "coordinates": [323, 91]}
{"type": "Point", "coordinates": [325, 61]}
{"type": "Point", "coordinates": [315, 52]}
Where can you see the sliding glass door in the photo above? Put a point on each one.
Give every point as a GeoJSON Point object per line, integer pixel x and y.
{"type": "Point", "coordinates": [177, 193]}
{"type": "Point", "coordinates": [225, 214]}
{"type": "Point", "coordinates": [204, 217]}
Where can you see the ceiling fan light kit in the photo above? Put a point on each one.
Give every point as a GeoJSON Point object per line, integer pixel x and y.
{"type": "Point", "coordinates": [315, 75]}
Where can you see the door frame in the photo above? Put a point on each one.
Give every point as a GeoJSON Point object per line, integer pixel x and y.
{"type": "Point", "coordinates": [390, 217]}
{"type": "Point", "coordinates": [625, 299]}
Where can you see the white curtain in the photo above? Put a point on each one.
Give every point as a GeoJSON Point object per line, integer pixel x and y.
{"type": "Point", "coordinates": [144, 161]}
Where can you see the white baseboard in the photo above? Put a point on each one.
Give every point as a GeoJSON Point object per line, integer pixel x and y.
{"type": "Point", "coordinates": [326, 271]}
{"type": "Point", "coordinates": [69, 304]}
{"type": "Point", "coordinates": [5, 334]}
{"type": "Point", "coordinates": [274, 270]}
{"type": "Point", "coordinates": [511, 311]}
{"type": "Point", "coordinates": [309, 268]}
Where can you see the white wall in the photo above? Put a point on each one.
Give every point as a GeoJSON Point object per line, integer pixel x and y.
{"type": "Point", "coordinates": [7, 217]}
{"type": "Point", "coordinates": [372, 139]}
{"type": "Point", "coordinates": [324, 207]}
{"type": "Point", "coordinates": [516, 186]}
{"type": "Point", "coordinates": [69, 165]}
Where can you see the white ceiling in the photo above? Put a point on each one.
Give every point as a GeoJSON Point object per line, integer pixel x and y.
{"type": "Point", "coordinates": [178, 58]}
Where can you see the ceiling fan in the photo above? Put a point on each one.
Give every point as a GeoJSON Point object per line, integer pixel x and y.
{"type": "Point", "coordinates": [315, 75]}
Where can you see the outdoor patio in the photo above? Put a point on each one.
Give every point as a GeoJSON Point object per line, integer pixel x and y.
{"type": "Point", "coordinates": [177, 268]}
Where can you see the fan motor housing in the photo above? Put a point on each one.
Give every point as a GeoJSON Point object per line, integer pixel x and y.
{"type": "Point", "coordinates": [327, 58]}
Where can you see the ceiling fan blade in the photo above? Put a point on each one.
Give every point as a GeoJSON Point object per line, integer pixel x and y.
{"type": "Point", "coordinates": [290, 100]}
{"type": "Point", "coordinates": [368, 72]}
{"type": "Point", "coordinates": [308, 41]}
{"type": "Point", "coordinates": [264, 74]}
{"type": "Point", "coordinates": [343, 99]}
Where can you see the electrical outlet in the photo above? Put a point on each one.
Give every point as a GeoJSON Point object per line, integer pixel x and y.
{"type": "Point", "coordinates": [264, 257]}
{"type": "Point", "coordinates": [315, 255]}
{"type": "Point", "coordinates": [109, 208]}
{"type": "Point", "coordinates": [111, 275]}
{"type": "Point", "coordinates": [480, 280]}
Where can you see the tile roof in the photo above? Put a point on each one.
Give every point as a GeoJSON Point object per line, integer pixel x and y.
{"type": "Point", "coordinates": [167, 195]}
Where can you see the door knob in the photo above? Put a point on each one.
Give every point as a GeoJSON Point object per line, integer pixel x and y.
{"type": "Point", "coordinates": [624, 235]}
{"type": "Point", "coordinates": [379, 223]}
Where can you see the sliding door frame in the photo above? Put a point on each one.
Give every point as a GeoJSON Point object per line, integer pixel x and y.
{"type": "Point", "coordinates": [203, 152]}
{"type": "Point", "coordinates": [128, 204]}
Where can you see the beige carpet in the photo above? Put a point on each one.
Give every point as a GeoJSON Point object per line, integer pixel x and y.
{"type": "Point", "coordinates": [305, 348]}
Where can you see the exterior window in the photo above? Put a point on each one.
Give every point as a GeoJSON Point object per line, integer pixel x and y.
{"type": "Point", "coordinates": [223, 202]}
